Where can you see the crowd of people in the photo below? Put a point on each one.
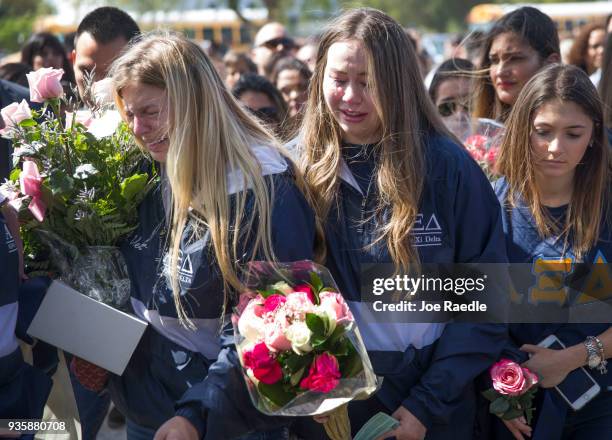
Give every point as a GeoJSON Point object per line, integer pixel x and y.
{"type": "Point", "coordinates": [335, 152]}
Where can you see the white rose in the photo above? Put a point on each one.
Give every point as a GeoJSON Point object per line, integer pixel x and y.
{"type": "Point", "coordinates": [299, 335]}
{"type": "Point", "coordinates": [251, 327]}
{"type": "Point", "coordinates": [326, 310]}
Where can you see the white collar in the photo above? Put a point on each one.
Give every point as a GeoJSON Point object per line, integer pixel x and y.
{"type": "Point", "coordinates": [347, 176]}
{"type": "Point", "coordinates": [270, 160]}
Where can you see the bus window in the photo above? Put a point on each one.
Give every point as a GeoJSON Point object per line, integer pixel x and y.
{"type": "Point", "coordinates": [189, 33]}
{"type": "Point", "coordinates": [245, 34]}
{"type": "Point", "coordinates": [226, 36]}
{"type": "Point", "coordinates": [208, 34]}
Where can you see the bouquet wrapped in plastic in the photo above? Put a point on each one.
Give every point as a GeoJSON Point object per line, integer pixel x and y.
{"type": "Point", "coordinates": [76, 193]}
{"type": "Point", "coordinates": [483, 141]}
{"type": "Point", "coordinates": [299, 345]}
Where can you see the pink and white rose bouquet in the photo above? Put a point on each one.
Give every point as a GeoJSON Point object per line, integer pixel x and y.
{"type": "Point", "coordinates": [513, 390]}
{"type": "Point", "coordinates": [298, 342]}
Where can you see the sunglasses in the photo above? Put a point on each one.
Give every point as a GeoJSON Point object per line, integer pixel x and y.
{"type": "Point", "coordinates": [448, 108]}
{"type": "Point", "coordinates": [281, 41]}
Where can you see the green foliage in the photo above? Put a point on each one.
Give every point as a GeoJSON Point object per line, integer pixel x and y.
{"type": "Point", "coordinates": [91, 187]}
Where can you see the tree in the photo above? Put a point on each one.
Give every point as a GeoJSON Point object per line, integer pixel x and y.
{"type": "Point", "coordinates": [16, 20]}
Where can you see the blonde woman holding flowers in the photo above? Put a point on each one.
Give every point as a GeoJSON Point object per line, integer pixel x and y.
{"type": "Point", "coordinates": [227, 197]}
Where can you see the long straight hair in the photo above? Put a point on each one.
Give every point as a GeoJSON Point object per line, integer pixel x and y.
{"type": "Point", "coordinates": [209, 134]}
{"type": "Point", "coordinates": [590, 197]}
{"type": "Point", "coordinates": [406, 115]}
{"type": "Point", "coordinates": [537, 30]}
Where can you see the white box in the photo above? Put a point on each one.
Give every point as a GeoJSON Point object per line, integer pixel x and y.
{"type": "Point", "coordinates": [87, 328]}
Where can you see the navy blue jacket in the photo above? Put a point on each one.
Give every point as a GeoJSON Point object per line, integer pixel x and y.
{"type": "Point", "coordinates": [23, 389]}
{"type": "Point", "coordinates": [9, 93]}
{"type": "Point", "coordinates": [427, 368]}
{"type": "Point", "coordinates": [525, 245]}
{"type": "Point", "coordinates": [167, 374]}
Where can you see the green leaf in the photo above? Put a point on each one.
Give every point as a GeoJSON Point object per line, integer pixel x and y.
{"type": "Point", "coordinates": [490, 394]}
{"type": "Point", "coordinates": [513, 413]}
{"type": "Point", "coordinates": [351, 364]}
{"type": "Point", "coordinates": [133, 185]}
{"type": "Point", "coordinates": [60, 182]}
{"type": "Point", "coordinates": [317, 326]}
{"type": "Point", "coordinates": [294, 362]}
{"type": "Point", "coordinates": [15, 175]}
{"type": "Point", "coordinates": [316, 282]}
{"type": "Point", "coordinates": [276, 393]}
{"type": "Point", "coordinates": [267, 293]}
{"type": "Point", "coordinates": [297, 376]}
{"type": "Point", "coordinates": [28, 123]}
{"type": "Point", "coordinates": [499, 406]}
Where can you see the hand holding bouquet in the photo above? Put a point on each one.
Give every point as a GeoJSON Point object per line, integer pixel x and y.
{"type": "Point", "coordinates": [76, 194]}
{"type": "Point", "coordinates": [299, 345]}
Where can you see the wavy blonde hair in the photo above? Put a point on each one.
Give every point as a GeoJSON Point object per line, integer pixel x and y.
{"type": "Point", "coordinates": [591, 194]}
{"type": "Point", "coordinates": [406, 114]}
{"type": "Point", "coordinates": [209, 134]}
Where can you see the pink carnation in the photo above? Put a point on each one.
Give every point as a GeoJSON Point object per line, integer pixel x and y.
{"type": "Point", "coordinates": [324, 374]}
{"type": "Point", "coordinates": [45, 84]}
{"type": "Point", "coordinates": [273, 302]}
{"type": "Point", "coordinates": [263, 365]}
{"type": "Point", "coordinates": [509, 378]}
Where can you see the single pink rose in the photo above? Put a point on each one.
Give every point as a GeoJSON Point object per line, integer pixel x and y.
{"type": "Point", "coordinates": [335, 302]}
{"type": "Point", "coordinates": [306, 289]}
{"type": "Point", "coordinates": [45, 84]}
{"type": "Point", "coordinates": [274, 334]}
{"type": "Point", "coordinates": [509, 378]}
{"type": "Point", "coordinates": [273, 302]}
{"type": "Point", "coordinates": [13, 114]}
{"type": "Point", "coordinates": [264, 367]}
{"type": "Point", "coordinates": [324, 374]}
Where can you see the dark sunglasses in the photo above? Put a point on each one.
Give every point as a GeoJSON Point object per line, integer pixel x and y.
{"type": "Point", "coordinates": [266, 114]}
{"type": "Point", "coordinates": [281, 41]}
{"type": "Point", "coordinates": [447, 108]}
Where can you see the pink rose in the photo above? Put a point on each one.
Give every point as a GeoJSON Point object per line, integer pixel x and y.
{"type": "Point", "coordinates": [306, 289]}
{"type": "Point", "coordinates": [13, 114]}
{"type": "Point", "coordinates": [335, 303]}
{"type": "Point", "coordinates": [273, 302]}
{"type": "Point", "coordinates": [492, 156]}
{"type": "Point", "coordinates": [274, 334]}
{"type": "Point", "coordinates": [509, 378]}
{"type": "Point", "coordinates": [297, 305]}
{"type": "Point", "coordinates": [45, 84]}
{"type": "Point", "coordinates": [264, 367]}
{"type": "Point", "coordinates": [324, 374]}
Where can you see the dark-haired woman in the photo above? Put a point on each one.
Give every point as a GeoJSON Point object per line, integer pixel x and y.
{"type": "Point", "coordinates": [555, 197]}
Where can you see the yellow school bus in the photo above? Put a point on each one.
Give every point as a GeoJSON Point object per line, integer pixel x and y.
{"type": "Point", "coordinates": [567, 16]}
{"type": "Point", "coordinates": [220, 25]}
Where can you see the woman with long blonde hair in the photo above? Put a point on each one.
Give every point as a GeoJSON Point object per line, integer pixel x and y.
{"type": "Point", "coordinates": [555, 197]}
{"type": "Point", "coordinates": [392, 186]}
{"type": "Point", "coordinates": [227, 196]}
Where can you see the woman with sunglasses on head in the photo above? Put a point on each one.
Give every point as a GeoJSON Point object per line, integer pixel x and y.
{"type": "Point", "coordinates": [227, 197]}
{"type": "Point", "coordinates": [518, 45]}
{"type": "Point", "coordinates": [555, 197]}
{"type": "Point", "coordinates": [393, 187]}
{"type": "Point", "coordinates": [450, 90]}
